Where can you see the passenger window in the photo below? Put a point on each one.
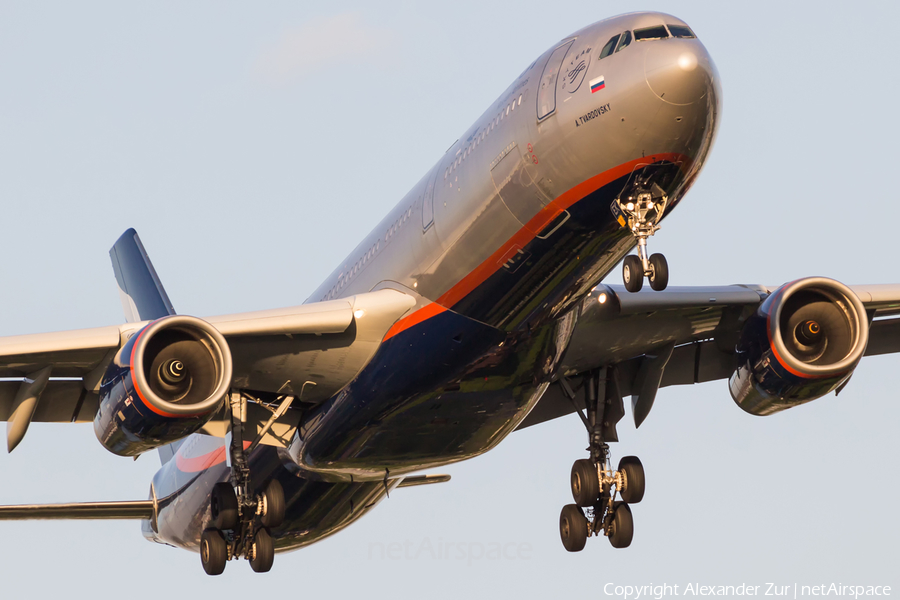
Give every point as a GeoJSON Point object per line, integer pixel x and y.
{"type": "Point", "coordinates": [546, 96]}
{"type": "Point", "coordinates": [624, 41]}
{"type": "Point", "coordinates": [681, 31]}
{"type": "Point", "coordinates": [651, 33]}
{"type": "Point", "coordinates": [610, 46]}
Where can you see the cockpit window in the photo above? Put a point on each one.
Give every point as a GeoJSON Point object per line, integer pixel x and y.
{"type": "Point", "coordinates": [651, 33]}
{"type": "Point", "coordinates": [610, 46]}
{"type": "Point", "coordinates": [681, 31]}
{"type": "Point", "coordinates": [624, 41]}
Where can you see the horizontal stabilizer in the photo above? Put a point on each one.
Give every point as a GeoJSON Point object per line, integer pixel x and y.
{"type": "Point", "coordinates": [135, 509]}
{"type": "Point", "coordinates": [423, 480]}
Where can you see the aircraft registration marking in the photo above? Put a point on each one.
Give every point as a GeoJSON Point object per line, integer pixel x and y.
{"type": "Point", "coordinates": [597, 112]}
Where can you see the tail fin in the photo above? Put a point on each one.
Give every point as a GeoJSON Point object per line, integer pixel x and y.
{"type": "Point", "coordinates": [143, 296]}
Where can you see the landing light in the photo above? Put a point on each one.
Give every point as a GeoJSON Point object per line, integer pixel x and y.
{"type": "Point", "coordinates": [359, 314]}
{"type": "Point", "coordinates": [602, 298]}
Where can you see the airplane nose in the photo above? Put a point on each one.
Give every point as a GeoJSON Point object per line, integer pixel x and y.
{"type": "Point", "coordinates": [678, 71]}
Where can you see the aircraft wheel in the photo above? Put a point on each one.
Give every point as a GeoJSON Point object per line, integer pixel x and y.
{"type": "Point", "coordinates": [274, 496]}
{"type": "Point", "coordinates": [659, 272]}
{"type": "Point", "coordinates": [633, 273]}
{"type": "Point", "coordinates": [263, 552]}
{"type": "Point", "coordinates": [634, 479]}
{"type": "Point", "coordinates": [585, 485]}
{"type": "Point", "coordinates": [621, 530]}
{"type": "Point", "coordinates": [213, 552]}
{"type": "Point", "coordinates": [223, 506]}
{"type": "Point", "coordinates": [573, 528]}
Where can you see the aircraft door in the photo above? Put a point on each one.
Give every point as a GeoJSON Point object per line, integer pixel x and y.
{"type": "Point", "coordinates": [515, 185]}
{"type": "Point", "coordinates": [428, 200]}
{"type": "Point", "coordinates": [546, 92]}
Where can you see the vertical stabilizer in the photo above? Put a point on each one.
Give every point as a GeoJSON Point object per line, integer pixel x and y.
{"type": "Point", "coordinates": [143, 296]}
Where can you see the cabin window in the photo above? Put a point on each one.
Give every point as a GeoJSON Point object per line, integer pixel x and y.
{"type": "Point", "coordinates": [651, 33]}
{"type": "Point", "coordinates": [681, 31]}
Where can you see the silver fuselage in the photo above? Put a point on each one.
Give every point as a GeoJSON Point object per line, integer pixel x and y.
{"type": "Point", "coordinates": [498, 243]}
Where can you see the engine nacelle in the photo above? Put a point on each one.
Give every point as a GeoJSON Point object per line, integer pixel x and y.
{"type": "Point", "coordinates": [803, 342]}
{"type": "Point", "coordinates": [165, 383]}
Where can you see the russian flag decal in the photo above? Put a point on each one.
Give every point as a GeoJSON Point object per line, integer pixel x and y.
{"type": "Point", "coordinates": [597, 84]}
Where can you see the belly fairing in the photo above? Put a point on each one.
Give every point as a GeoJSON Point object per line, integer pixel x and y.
{"type": "Point", "coordinates": [445, 390]}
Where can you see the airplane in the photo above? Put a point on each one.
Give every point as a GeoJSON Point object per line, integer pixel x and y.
{"type": "Point", "coordinates": [479, 306]}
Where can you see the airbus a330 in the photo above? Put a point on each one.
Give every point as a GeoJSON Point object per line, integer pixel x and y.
{"type": "Point", "coordinates": [480, 305]}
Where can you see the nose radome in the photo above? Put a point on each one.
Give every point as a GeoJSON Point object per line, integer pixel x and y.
{"type": "Point", "coordinates": [678, 71]}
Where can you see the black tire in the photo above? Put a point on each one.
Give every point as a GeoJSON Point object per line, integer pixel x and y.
{"type": "Point", "coordinates": [213, 552]}
{"type": "Point", "coordinates": [634, 479]}
{"type": "Point", "coordinates": [622, 527]}
{"type": "Point", "coordinates": [573, 528]}
{"type": "Point", "coordinates": [263, 552]}
{"type": "Point", "coordinates": [274, 513]}
{"type": "Point", "coordinates": [659, 272]}
{"type": "Point", "coordinates": [633, 273]}
{"type": "Point", "coordinates": [223, 506]}
{"type": "Point", "coordinates": [584, 483]}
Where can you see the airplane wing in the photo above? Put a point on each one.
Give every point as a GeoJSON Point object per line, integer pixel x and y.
{"type": "Point", "coordinates": [58, 374]}
{"type": "Point", "coordinates": [680, 336]}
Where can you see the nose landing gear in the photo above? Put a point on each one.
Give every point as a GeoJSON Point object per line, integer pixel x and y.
{"type": "Point", "coordinates": [602, 496]}
{"type": "Point", "coordinates": [641, 212]}
{"type": "Point", "coordinates": [240, 520]}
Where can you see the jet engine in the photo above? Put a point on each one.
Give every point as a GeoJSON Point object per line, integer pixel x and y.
{"type": "Point", "coordinates": [165, 383]}
{"type": "Point", "coordinates": [803, 342]}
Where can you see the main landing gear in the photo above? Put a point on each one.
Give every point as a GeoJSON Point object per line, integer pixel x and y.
{"type": "Point", "coordinates": [641, 213]}
{"type": "Point", "coordinates": [602, 495]}
{"type": "Point", "coordinates": [241, 521]}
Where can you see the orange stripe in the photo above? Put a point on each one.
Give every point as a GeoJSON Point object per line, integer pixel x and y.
{"type": "Point", "coordinates": [195, 464]}
{"type": "Point", "coordinates": [534, 226]}
{"type": "Point", "coordinates": [424, 313]}
{"type": "Point", "coordinates": [521, 238]}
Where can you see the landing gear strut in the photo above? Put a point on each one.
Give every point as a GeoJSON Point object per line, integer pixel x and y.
{"type": "Point", "coordinates": [602, 495]}
{"type": "Point", "coordinates": [240, 520]}
{"type": "Point", "coordinates": [641, 212]}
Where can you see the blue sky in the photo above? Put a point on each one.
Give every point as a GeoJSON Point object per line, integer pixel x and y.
{"type": "Point", "coordinates": [252, 147]}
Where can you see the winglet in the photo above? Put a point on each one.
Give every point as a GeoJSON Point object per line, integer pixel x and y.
{"type": "Point", "coordinates": [142, 294]}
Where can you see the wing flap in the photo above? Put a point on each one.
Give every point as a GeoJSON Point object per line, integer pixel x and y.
{"type": "Point", "coordinates": [62, 401]}
{"type": "Point", "coordinates": [884, 337]}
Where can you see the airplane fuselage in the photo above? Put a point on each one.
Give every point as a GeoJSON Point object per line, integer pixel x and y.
{"type": "Point", "coordinates": [499, 243]}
